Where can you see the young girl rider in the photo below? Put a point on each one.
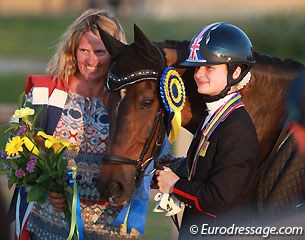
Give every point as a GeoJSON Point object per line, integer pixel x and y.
{"type": "Point", "coordinates": [221, 157]}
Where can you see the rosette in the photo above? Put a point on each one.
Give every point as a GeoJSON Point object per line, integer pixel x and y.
{"type": "Point", "coordinates": [172, 93]}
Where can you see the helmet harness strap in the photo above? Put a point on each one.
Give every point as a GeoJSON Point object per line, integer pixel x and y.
{"type": "Point", "coordinates": [230, 82]}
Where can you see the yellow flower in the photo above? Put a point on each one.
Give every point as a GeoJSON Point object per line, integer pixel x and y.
{"type": "Point", "coordinates": [23, 113]}
{"type": "Point", "coordinates": [14, 146]}
{"type": "Point", "coordinates": [56, 143]}
{"type": "Point", "coordinates": [30, 146]}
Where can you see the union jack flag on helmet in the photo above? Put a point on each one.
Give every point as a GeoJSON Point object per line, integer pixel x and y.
{"type": "Point", "coordinates": [194, 48]}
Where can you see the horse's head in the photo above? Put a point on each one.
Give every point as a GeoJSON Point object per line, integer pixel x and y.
{"type": "Point", "coordinates": [135, 115]}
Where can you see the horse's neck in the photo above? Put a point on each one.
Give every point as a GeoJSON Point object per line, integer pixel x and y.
{"type": "Point", "coordinates": [263, 98]}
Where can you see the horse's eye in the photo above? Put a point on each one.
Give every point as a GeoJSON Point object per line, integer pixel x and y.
{"type": "Point", "coordinates": [146, 104]}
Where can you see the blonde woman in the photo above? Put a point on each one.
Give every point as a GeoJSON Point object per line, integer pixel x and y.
{"type": "Point", "coordinates": [72, 100]}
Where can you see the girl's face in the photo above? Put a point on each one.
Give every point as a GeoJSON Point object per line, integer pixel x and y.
{"type": "Point", "coordinates": [211, 80]}
{"type": "Point", "coordinates": [93, 60]}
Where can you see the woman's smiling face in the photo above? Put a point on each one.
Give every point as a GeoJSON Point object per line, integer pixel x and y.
{"type": "Point", "coordinates": [93, 60]}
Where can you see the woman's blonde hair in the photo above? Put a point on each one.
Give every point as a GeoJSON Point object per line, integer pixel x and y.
{"type": "Point", "coordinates": [63, 63]}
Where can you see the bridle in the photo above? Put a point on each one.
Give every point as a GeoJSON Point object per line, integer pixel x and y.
{"type": "Point", "coordinates": [140, 163]}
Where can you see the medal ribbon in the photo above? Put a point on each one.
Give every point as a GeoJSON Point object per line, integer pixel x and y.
{"type": "Point", "coordinates": [220, 115]}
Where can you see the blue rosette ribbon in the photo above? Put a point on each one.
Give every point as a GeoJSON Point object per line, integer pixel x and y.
{"type": "Point", "coordinates": [133, 214]}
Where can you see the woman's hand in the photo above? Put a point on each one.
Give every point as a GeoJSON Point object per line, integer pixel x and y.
{"type": "Point", "coordinates": [71, 163]}
{"type": "Point", "coordinates": [166, 180]}
{"type": "Point", "coordinates": [57, 200]}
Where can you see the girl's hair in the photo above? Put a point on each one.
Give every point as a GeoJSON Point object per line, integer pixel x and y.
{"type": "Point", "coordinates": [63, 63]}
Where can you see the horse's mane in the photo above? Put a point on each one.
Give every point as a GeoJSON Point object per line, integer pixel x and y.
{"type": "Point", "coordinates": [281, 172]}
{"type": "Point", "coordinates": [264, 96]}
{"type": "Point", "coordinates": [283, 68]}
{"type": "Point", "coordinates": [174, 44]}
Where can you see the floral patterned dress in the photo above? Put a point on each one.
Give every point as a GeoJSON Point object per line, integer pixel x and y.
{"type": "Point", "coordinates": [84, 122]}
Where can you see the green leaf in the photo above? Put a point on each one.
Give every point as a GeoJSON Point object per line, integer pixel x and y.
{"type": "Point", "coordinates": [43, 177]}
{"type": "Point", "coordinates": [60, 154]}
{"type": "Point", "coordinates": [1, 162]}
{"type": "Point", "coordinates": [62, 163]}
{"type": "Point", "coordinates": [28, 104]}
{"type": "Point", "coordinates": [14, 165]}
{"type": "Point", "coordinates": [41, 163]}
{"type": "Point", "coordinates": [42, 200]}
{"type": "Point", "coordinates": [34, 118]}
{"type": "Point", "coordinates": [11, 181]}
{"type": "Point", "coordinates": [12, 126]}
{"type": "Point", "coordinates": [5, 172]}
{"type": "Point", "coordinates": [21, 100]}
{"type": "Point", "coordinates": [37, 193]}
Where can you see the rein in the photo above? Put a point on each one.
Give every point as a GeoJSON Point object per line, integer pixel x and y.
{"type": "Point", "coordinates": [140, 163]}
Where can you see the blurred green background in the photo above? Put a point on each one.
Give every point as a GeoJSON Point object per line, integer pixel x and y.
{"type": "Point", "coordinates": [35, 37]}
{"type": "Point", "coordinates": [32, 39]}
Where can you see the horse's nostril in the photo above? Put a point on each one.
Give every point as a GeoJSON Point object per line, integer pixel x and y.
{"type": "Point", "coordinates": [116, 189]}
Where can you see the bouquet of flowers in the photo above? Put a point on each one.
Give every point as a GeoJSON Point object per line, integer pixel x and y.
{"type": "Point", "coordinates": [37, 161]}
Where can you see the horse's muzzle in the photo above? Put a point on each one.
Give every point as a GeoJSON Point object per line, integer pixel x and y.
{"type": "Point", "coordinates": [115, 183]}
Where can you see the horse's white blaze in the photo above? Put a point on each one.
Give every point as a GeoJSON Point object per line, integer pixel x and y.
{"type": "Point", "coordinates": [122, 94]}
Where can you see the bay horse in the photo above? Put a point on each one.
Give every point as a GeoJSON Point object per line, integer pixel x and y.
{"type": "Point", "coordinates": [137, 119]}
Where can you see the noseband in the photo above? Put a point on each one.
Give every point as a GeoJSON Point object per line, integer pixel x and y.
{"type": "Point", "coordinates": [140, 163]}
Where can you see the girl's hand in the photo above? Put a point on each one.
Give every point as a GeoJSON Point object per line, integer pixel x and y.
{"type": "Point", "coordinates": [166, 180]}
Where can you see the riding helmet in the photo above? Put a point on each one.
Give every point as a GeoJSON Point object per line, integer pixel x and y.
{"type": "Point", "coordinates": [219, 43]}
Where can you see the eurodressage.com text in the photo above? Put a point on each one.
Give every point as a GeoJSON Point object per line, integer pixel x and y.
{"type": "Point", "coordinates": [234, 230]}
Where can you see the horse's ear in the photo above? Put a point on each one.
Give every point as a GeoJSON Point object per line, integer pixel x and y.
{"type": "Point", "coordinates": [113, 46]}
{"type": "Point", "coordinates": [143, 45]}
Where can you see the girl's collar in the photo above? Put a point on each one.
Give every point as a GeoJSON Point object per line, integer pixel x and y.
{"type": "Point", "coordinates": [213, 106]}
